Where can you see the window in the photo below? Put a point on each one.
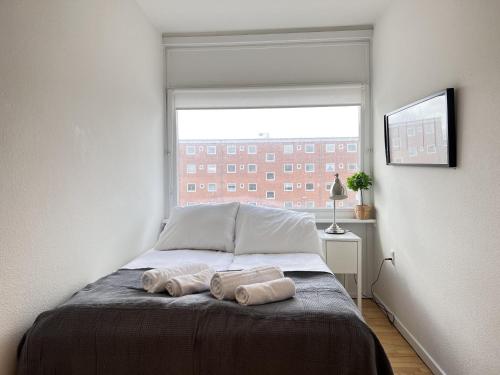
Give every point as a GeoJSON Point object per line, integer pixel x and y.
{"type": "Point", "coordinates": [288, 149]}
{"type": "Point", "coordinates": [252, 168]}
{"type": "Point", "coordinates": [410, 132]}
{"type": "Point", "coordinates": [291, 163]}
{"type": "Point", "coordinates": [211, 150]}
{"type": "Point", "coordinates": [431, 149]}
{"type": "Point", "coordinates": [352, 167]}
{"type": "Point", "coordinates": [191, 188]}
{"type": "Point", "coordinates": [309, 167]}
{"type": "Point", "coordinates": [309, 148]}
{"type": "Point", "coordinates": [328, 186]}
{"type": "Point", "coordinates": [191, 168]}
{"type": "Point", "coordinates": [429, 128]}
{"type": "Point", "coordinates": [288, 205]}
{"type": "Point", "coordinates": [352, 147]}
{"type": "Point", "coordinates": [288, 167]}
{"type": "Point", "coordinates": [329, 204]}
{"type": "Point", "coordinates": [252, 149]}
{"type": "Point", "coordinates": [330, 167]}
{"type": "Point", "coordinates": [412, 151]}
{"type": "Point", "coordinates": [270, 157]}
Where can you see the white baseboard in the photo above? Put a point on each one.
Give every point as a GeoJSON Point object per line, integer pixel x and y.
{"type": "Point", "coordinates": [423, 354]}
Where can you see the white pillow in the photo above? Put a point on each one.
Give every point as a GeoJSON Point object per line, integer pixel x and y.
{"type": "Point", "coordinates": [273, 230]}
{"type": "Point", "coordinates": [200, 227]}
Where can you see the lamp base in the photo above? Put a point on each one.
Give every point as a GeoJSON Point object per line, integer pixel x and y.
{"type": "Point", "coordinates": [334, 229]}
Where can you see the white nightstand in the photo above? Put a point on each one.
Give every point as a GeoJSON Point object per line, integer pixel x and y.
{"type": "Point", "coordinates": [343, 254]}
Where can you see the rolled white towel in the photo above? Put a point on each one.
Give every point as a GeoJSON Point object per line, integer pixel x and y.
{"type": "Point", "coordinates": [154, 280]}
{"type": "Point", "coordinates": [223, 284]}
{"type": "Point", "coordinates": [267, 292]}
{"type": "Point", "coordinates": [189, 284]}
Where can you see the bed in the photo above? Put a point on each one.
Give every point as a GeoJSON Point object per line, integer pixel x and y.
{"type": "Point", "coordinates": [113, 326]}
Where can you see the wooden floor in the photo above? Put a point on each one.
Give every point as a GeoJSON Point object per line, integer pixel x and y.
{"type": "Point", "coordinates": [403, 358]}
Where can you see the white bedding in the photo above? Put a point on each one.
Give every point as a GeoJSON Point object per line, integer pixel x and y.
{"type": "Point", "coordinates": [222, 261]}
{"type": "Point", "coordinates": [218, 260]}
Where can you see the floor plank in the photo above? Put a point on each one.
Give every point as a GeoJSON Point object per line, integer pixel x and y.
{"type": "Point", "coordinates": [403, 358]}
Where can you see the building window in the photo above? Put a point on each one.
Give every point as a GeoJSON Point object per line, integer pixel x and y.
{"type": "Point", "coordinates": [309, 167]}
{"type": "Point", "coordinates": [270, 176]}
{"type": "Point", "coordinates": [328, 186]}
{"type": "Point", "coordinates": [310, 204]}
{"type": "Point", "coordinates": [412, 152]}
{"type": "Point", "coordinates": [288, 167]}
{"type": "Point", "coordinates": [274, 157]}
{"type": "Point", "coordinates": [352, 167]}
{"type": "Point", "coordinates": [252, 203]}
{"type": "Point", "coordinates": [330, 167]}
{"type": "Point", "coordinates": [288, 205]}
{"type": "Point", "coordinates": [191, 168]}
{"type": "Point", "coordinates": [410, 132]}
{"type": "Point", "coordinates": [211, 150]}
{"type": "Point", "coordinates": [329, 204]}
{"type": "Point", "coordinates": [191, 188]}
{"type": "Point", "coordinates": [288, 149]}
{"type": "Point", "coordinates": [431, 149]}
{"type": "Point", "coordinates": [251, 149]}
{"type": "Point", "coordinates": [429, 128]}
{"type": "Point", "coordinates": [352, 147]}
{"type": "Point", "coordinates": [309, 148]}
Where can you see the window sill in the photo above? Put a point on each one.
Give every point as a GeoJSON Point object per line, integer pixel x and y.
{"type": "Point", "coordinates": [346, 221]}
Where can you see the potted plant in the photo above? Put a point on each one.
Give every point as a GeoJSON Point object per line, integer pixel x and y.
{"type": "Point", "coordinates": [360, 181]}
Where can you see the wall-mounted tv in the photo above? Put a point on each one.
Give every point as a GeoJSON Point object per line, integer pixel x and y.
{"type": "Point", "coordinates": [422, 133]}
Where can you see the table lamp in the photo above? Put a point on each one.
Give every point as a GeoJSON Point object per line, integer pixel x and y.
{"type": "Point", "coordinates": [337, 193]}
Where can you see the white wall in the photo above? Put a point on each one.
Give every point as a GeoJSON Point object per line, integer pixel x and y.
{"type": "Point", "coordinates": [443, 223]}
{"type": "Point", "coordinates": [81, 116]}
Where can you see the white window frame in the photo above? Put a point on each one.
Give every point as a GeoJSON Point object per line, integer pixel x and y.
{"type": "Point", "coordinates": [269, 179]}
{"type": "Point", "coordinates": [187, 187]}
{"type": "Point", "coordinates": [271, 191]}
{"type": "Point", "coordinates": [202, 98]}
{"type": "Point", "coordinates": [192, 170]}
{"type": "Point", "coordinates": [350, 167]}
{"type": "Point", "coordinates": [232, 184]}
{"type": "Point", "coordinates": [289, 147]}
{"type": "Point", "coordinates": [227, 168]}
{"type": "Point", "coordinates": [231, 153]}
{"type": "Point", "coordinates": [209, 147]}
{"type": "Point", "coordinates": [210, 169]}
{"type": "Point", "coordinates": [289, 185]}
{"type": "Point", "coordinates": [313, 167]}
{"type": "Point", "coordinates": [309, 145]}
{"type": "Point", "coordinates": [248, 168]}
{"type": "Point", "coordinates": [253, 147]}
{"type": "Point", "coordinates": [190, 147]}
{"type": "Point", "coordinates": [309, 183]}
{"type": "Point", "coordinates": [211, 184]}
{"type": "Point", "coordinates": [268, 160]}
{"type": "Point", "coordinates": [329, 164]}
{"type": "Point", "coordinates": [352, 144]}
{"type": "Point", "coordinates": [284, 167]}
{"type": "Point", "coordinates": [252, 183]}
{"type": "Point", "coordinates": [330, 148]}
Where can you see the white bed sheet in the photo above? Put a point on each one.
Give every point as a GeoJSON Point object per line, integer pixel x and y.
{"type": "Point", "coordinates": [218, 260]}
{"type": "Point", "coordinates": [287, 262]}
{"type": "Point", "coordinates": [222, 261]}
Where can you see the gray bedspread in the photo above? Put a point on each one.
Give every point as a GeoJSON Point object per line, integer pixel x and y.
{"type": "Point", "coordinates": [112, 327]}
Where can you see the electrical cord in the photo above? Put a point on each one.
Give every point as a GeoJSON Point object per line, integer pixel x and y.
{"type": "Point", "coordinates": [390, 317]}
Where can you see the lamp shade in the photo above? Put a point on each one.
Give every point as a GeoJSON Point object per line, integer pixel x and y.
{"type": "Point", "coordinates": [337, 190]}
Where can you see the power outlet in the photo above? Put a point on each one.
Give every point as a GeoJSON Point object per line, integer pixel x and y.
{"type": "Point", "coordinates": [393, 256]}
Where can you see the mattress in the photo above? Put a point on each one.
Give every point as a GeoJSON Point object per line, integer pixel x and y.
{"type": "Point", "coordinates": [112, 326]}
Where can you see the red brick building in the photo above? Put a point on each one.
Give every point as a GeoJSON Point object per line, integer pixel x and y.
{"type": "Point", "coordinates": [288, 173]}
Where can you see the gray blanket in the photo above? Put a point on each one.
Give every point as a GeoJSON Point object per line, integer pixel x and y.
{"type": "Point", "coordinates": [112, 327]}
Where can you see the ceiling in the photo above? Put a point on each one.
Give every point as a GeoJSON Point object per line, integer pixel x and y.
{"type": "Point", "coordinates": [223, 16]}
